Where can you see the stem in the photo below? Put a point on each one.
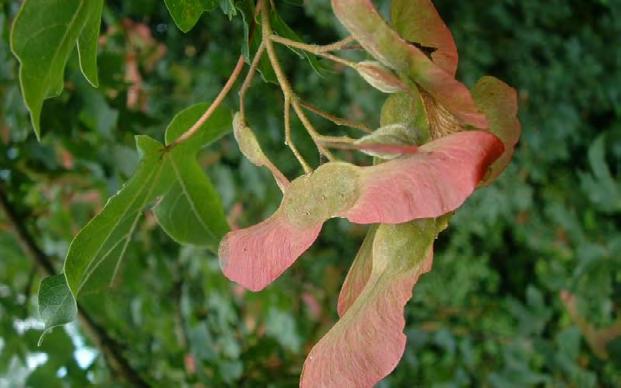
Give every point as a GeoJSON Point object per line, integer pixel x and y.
{"type": "Point", "coordinates": [335, 119]}
{"type": "Point", "coordinates": [284, 82]}
{"type": "Point", "coordinates": [314, 48]}
{"type": "Point", "coordinates": [289, 140]}
{"type": "Point", "coordinates": [337, 139]}
{"type": "Point", "coordinates": [311, 129]}
{"type": "Point", "coordinates": [321, 51]}
{"type": "Point", "coordinates": [249, 77]}
{"type": "Point", "coordinates": [110, 348]}
{"type": "Point", "coordinates": [214, 105]}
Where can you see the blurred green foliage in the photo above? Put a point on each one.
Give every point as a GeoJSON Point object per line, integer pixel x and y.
{"type": "Point", "coordinates": [489, 313]}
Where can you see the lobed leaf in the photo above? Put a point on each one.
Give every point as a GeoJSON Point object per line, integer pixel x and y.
{"type": "Point", "coordinates": [191, 211]}
{"type": "Point", "coordinates": [429, 183]}
{"type": "Point", "coordinates": [419, 23]}
{"type": "Point", "coordinates": [369, 28]}
{"type": "Point", "coordinates": [102, 243]}
{"type": "Point", "coordinates": [43, 35]}
{"type": "Point", "coordinates": [367, 342]}
{"type": "Point", "coordinates": [251, 149]}
{"type": "Point", "coordinates": [499, 103]}
{"type": "Point", "coordinates": [380, 77]}
{"type": "Point", "coordinates": [57, 306]}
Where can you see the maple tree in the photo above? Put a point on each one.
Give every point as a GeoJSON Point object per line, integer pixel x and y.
{"type": "Point", "coordinates": [438, 141]}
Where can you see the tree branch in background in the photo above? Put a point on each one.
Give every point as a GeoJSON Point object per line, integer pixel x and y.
{"type": "Point", "coordinates": [110, 348]}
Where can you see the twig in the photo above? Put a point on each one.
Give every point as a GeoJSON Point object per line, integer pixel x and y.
{"type": "Point", "coordinates": [289, 139]}
{"type": "Point", "coordinates": [314, 48]}
{"type": "Point", "coordinates": [322, 51]}
{"type": "Point", "coordinates": [335, 119]}
{"type": "Point", "coordinates": [249, 77]}
{"type": "Point", "coordinates": [287, 90]}
{"type": "Point", "coordinates": [214, 105]}
{"type": "Point", "coordinates": [109, 347]}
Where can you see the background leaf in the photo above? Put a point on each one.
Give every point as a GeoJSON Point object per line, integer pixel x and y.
{"type": "Point", "coordinates": [56, 303]}
{"type": "Point", "coordinates": [88, 43]}
{"type": "Point", "coordinates": [186, 13]}
{"type": "Point", "coordinates": [44, 51]}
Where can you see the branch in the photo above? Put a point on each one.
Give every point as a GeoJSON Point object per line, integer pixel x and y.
{"type": "Point", "coordinates": [314, 48]}
{"type": "Point", "coordinates": [109, 346]}
{"type": "Point", "coordinates": [322, 51]}
{"type": "Point", "coordinates": [335, 119]}
{"type": "Point", "coordinates": [214, 105]}
{"type": "Point", "coordinates": [287, 90]}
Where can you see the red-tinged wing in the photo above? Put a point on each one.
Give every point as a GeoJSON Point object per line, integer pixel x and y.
{"type": "Point", "coordinates": [358, 274]}
{"type": "Point", "coordinates": [367, 343]}
{"type": "Point", "coordinates": [499, 102]}
{"type": "Point", "coordinates": [419, 22]}
{"type": "Point", "coordinates": [369, 28]}
{"type": "Point", "coordinates": [434, 181]}
{"type": "Point", "coordinates": [256, 256]}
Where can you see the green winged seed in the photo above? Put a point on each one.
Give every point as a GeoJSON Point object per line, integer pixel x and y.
{"type": "Point", "coordinates": [409, 110]}
{"type": "Point", "coordinates": [313, 198]}
{"type": "Point", "coordinates": [380, 77]}
{"type": "Point", "coordinates": [247, 141]}
{"type": "Point", "coordinates": [393, 134]}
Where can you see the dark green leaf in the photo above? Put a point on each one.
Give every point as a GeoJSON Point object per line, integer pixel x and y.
{"type": "Point", "coordinates": [87, 44]}
{"type": "Point", "coordinates": [191, 212]}
{"type": "Point", "coordinates": [43, 36]}
{"type": "Point", "coordinates": [228, 8]}
{"type": "Point", "coordinates": [186, 13]}
{"type": "Point", "coordinates": [104, 240]}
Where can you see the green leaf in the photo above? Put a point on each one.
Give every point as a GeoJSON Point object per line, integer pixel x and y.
{"type": "Point", "coordinates": [191, 212]}
{"type": "Point", "coordinates": [57, 305]}
{"type": "Point", "coordinates": [228, 8]}
{"type": "Point", "coordinates": [87, 45]}
{"type": "Point", "coordinates": [186, 13]}
{"type": "Point", "coordinates": [251, 43]}
{"type": "Point", "coordinates": [43, 36]}
{"type": "Point", "coordinates": [102, 243]}
{"type": "Point", "coordinates": [246, 10]}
